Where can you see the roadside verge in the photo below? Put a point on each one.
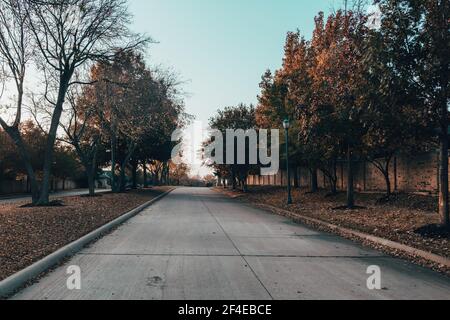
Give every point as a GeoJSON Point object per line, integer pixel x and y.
{"type": "Point", "coordinates": [20, 279]}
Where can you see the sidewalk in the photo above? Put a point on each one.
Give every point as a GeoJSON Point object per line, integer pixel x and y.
{"type": "Point", "coordinates": [68, 193]}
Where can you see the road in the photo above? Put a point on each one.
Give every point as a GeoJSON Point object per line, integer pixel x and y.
{"type": "Point", "coordinates": [196, 244]}
{"type": "Point", "coordinates": [59, 194]}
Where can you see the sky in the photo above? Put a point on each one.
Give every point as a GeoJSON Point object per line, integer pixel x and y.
{"type": "Point", "coordinates": [221, 48]}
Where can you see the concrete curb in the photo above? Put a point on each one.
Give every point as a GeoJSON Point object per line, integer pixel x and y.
{"type": "Point", "coordinates": [10, 285]}
{"type": "Point", "coordinates": [442, 261]}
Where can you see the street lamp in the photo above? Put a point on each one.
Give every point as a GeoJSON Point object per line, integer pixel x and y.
{"type": "Point", "coordinates": [287, 125]}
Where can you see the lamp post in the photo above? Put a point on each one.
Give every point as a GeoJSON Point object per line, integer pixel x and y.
{"type": "Point", "coordinates": [287, 125]}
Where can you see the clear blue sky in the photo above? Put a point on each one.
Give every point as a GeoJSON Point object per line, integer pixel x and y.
{"type": "Point", "coordinates": [222, 47]}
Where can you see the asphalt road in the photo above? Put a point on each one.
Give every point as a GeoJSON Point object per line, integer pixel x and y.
{"type": "Point", "coordinates": [196, 244]}
{"type": "Point", "coordinates": [59, 194]}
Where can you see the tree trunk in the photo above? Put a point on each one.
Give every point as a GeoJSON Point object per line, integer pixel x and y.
{"type": "Point", "coordinates": [296, 180]}
{"type": "Point", "coordinates": [350, 182]}
{"type": "Point", "coordinates": [395, 175]}
{"type": "Point", "coordinates": [443, 179]}
{"type": "Point", "coordinates": [384, 169]}
{"type": "Point", "coordinates": [91, 184]}
{"type": "Point", "coordinates": [51, 138]}
{"type": "Point", "coordinates": [443, 106]}
{"type": "Point", "coordinates": [114, 185]}
{"type": "Point", "coordinates": [122, 179]}
{"type": "Point", "coordinates": [387, 179]}
{"type": "Point", "coordinates": [152, 178]}
{"type": "Point", "coordinates": [163, 175]}
{"type": "Point", "coordinates": [334, 178]}
{"type": "Point", "coordinates": [333, 185]}
{"type": "Point", "coordinates": [144, 167]}
{"type": "Point", "coordinates": [314, 180]}
{"type": "Point", "coordinates": [135, 167]}
{"type": "Point", "coordinates": [244, 186]}
{"type": "Point", "coordinates": [233, 178]}
{"type": "Point", "coordinates": [166, 174]}
{"type": "Point", "coordinates": [123, 167]}
{"type": "Point", "coordinates": [330, 175]}
{"type": "Point", "coordinates": [155, 177]}
{"type": "Point", "coordinates": [14, 133]}
{"type": "Point", "coordinates": [92, 173]}
{"type": "Point", "coordinates": [89, 161]}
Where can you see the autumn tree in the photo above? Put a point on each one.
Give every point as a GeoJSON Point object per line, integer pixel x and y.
{"type": "Point", "coordinates": [337, 75]}
{"type": "Point", "coordinates": [275, 105]}
{"type": "Point", "coordinates": [290, 94]}
{"type": "Point", "coordinates": [117, 112]}
{"type": "Point", "coordinates": [319, 87]}
{"type": "Point", "coordinates": [179, 173]}
{"type": "Point", "coordinates": [135, 109]}
{"type": "Point", "coordinates": [418, 38]}
{"type": "Point", "coordinates": [82, 132]}
{"type": "Point", "coordinates": [210, 180]}
{"type": "Point", "coordinates": [393, 119]}
{"type": "Point", "coordinates": [65, 162]}
{"type": "Point", "coordinates": [240, 117]}
{"type": "Point", "coordinates": [167, 116]}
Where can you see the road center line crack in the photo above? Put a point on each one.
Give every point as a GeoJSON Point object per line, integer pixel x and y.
{"type": "Point", "coordinates": [237, 249]}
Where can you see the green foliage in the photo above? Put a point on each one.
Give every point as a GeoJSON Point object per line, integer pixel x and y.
{"type": "Point", "coordinates": [65, 164]}
{"type": "Point", "coordinates": [240, 117]}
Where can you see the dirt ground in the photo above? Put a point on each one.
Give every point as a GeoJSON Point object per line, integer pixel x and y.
{"type": "Point", "coordinates": [29, 234]}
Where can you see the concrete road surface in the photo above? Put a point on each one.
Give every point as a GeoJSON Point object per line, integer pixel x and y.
{"type": "Point", "coordinates": [196, 244]}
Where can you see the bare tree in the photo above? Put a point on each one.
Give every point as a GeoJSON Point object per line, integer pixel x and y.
{"type": "Point", "coordinates": [79, 133]}
{"type": "Point", "coordinates": [67, 34]}
{"type": "Point", "coordinates": [15, 53]}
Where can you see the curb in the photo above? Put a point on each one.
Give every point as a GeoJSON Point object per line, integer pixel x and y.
{"type": "Point", "coordinates": [10, 285]}
{"type": "Point", "coordinates": [441, 261]}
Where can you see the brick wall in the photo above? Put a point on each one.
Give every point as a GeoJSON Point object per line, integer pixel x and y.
{"type": "Point", "coordinates": [417, 174]}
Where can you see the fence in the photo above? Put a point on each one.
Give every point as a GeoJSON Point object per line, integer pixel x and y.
{"type": "Point", "coordinates": [419, 174]}
{"type": "Point", "coordinates": [21, 186]}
